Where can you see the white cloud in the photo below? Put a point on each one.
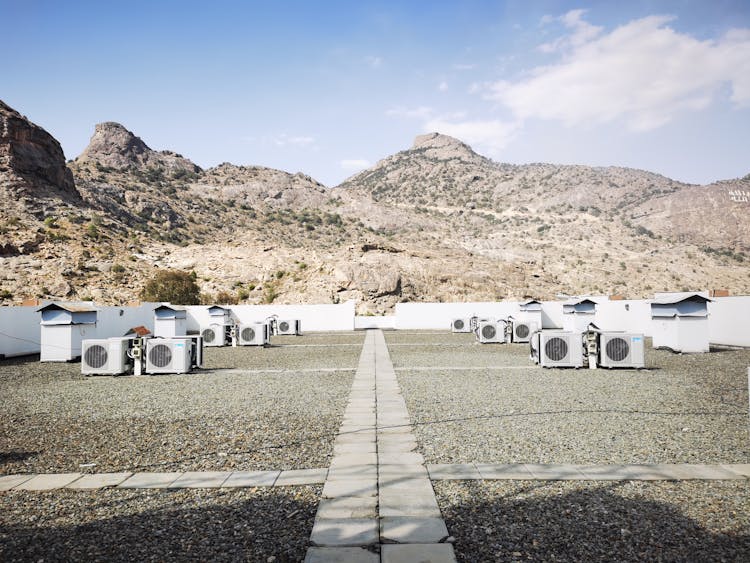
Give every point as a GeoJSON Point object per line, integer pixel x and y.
{"type": "Point", "coordinates": [374, 62]}
{"type": "Point", "coordinates": [285, 140]}
{"type": "Point", "coordinates": [354, 164]}
{"type": "Point", "coordinates": [420, 112]}
{"type": "Point", "coordinates": [643, 72]}
{"type": "Point", "coordinates": [464, 66]}
{"type": "Point", "coordinates": [443, 86]}
{"type": "Point", "coordinates": [490, 136]}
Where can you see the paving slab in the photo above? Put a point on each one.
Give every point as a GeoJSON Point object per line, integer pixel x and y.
{"type": "Point", "coordinates": [739, 468]}
{"type": "Point", "coordinates": [503, 471]}
{"type": "Point", "coordinates": [48, 481]}
{"type": "Point", "coordinates": [405, 485]}
{"type": "Point", "coordinates": [391, 458]}
{"type": "Point", "coordinates": [397, 447]}
{"type": "Point", "coordinates": [354, 448]}
{"type": "Point", "coordinates": [367, 437]}
{"type": "Point", "coordinates": [301, 477]}
{"type": "Point", "coordinates": [402, 470]}
{"type": "Point", "coordinates": [408, 505]}
{"type": "Point", "coordinates": [556, 472]}
{"type": "Point", "coordinates": [150, 481]}
{"type": "Point", "coordinates": [634, 472]}
{"type": "Point", "coordinates": [350, 488]}
{"type": "Point", "coordinates": [409, 529]}
{"type": "Point", "coordinates": [251, 479]}
{"type": "Point", "coordinates": [353, 472]}
{"type": "Point", "coordinates": [341, 555]}
{"type": "Point", "coordinates": [99, 480]}
{"type": "Point", "coordinates": [714, 472]}
{"type": "Point", "coordinates": [7, 482]}
{"type": "Point", "coordinates": [201, 480]}
{"type": "Point", "coordinates": [344, 532]}
{"type": "Point", "coordinates": [422, 553]}
{"type": "Point", "coordinates": [348, 507]}
{"type": "Point", "coordinates": [349, 460]}
{"type": "Point", "coordinates": [453, 471]}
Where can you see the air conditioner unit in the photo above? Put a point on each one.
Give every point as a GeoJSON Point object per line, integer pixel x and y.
{"type": "Point", "coordinates": [288, 327]}
{"type": "Point", "coordinates": [522, 330]}
{"type": "Point", "coordinates": [168, 355]}
{"type": "Point", "coordinates": [621, 350]}
{"type": "Point", "coordinates": [105, 356]}
{"type": "Point", "coordinates": [214, 335]}
{"type": "Point", "coordinates": [534, 340]}
{"type": "Point", "coordinates": [253, 334]}
{"type": "Point", "coordinates": [196, 349]}
{"type": "Point", "coordinates": [491, 332]}
{"type": "Point", "coordinates": [561, 349]}
{"type": "Point", "coordinates": [461, 325]}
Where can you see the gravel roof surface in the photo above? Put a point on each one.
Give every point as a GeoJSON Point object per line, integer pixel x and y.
{"type": "Point", "coordinates": [162, 525]}
{"type": "Point", "coordinates": [54, 419]}
{"type": "Point", "coordinates": [596, 521]}
{"type": "Point", "coordinates": [685, 409]}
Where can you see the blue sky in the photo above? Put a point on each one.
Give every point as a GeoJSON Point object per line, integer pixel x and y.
{"type": "Point", "coordinates": [328, 88]}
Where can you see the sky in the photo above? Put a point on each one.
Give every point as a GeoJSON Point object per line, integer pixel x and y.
{"type": "Point", "coordinates": [328, 88]}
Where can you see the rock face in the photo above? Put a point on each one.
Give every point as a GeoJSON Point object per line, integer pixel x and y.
{"type": "Point", "coordinates": [31, 160]}
{"type": "Point", "coordinates": [112, 145]}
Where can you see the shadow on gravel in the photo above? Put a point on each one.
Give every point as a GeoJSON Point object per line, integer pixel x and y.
{"type": "Point", "coordinates": [157, 526]}
{"type": "Point", "coordinates": [9, 457]}
{"type": "Point", "coordinates": [593, 524]}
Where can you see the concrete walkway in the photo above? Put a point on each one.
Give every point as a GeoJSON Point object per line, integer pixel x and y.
{"type": "Point", "coordinates": [378, 503]}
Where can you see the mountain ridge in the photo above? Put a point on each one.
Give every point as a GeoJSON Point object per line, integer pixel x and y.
{"type": "Point", "coordinates": [434, 222]}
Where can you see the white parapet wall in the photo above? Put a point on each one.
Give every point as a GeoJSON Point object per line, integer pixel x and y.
{"type": "Point", "coordinates": [437, 316]}
{"type": "Point", "coordinates": [314, 318]}
{"type": "Point", "coordinates": [625, 316]}
{"type": "Point", "coordinates": [729, 321]}
{"type": "Point", "coordinates": [385, 322]}
{"type": "Point", "coordinates": [19, 331]}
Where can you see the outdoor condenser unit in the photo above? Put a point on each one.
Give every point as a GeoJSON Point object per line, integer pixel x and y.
{"type": "Point", "coordinates": [215, 335]}
{"type": "Point", "coordinates": [288, 327]}
{"type": "Point", "coordinates": [253, 334]}
{"type": "Point", "coordinates": [461, 325]}
{"type": "Point", "coordinates": [168, 355]}
{"type": "Point", "coordinates": [105, 356]}
{"type": "Point", "coordinates": [621, 350]}
{"type": "Point", "coordinates": [491, 332]}
{"type": "Point", "coordinates": [560, 349]}
{"type": "Point", "coordinates": [522, 330]}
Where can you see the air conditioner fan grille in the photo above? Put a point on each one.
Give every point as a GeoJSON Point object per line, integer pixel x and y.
{"type": "Point", "coordinates": [160, 355]}
{"type": "Point", "coordinates": [96, 356]}
{"type": "Point", "coordinates": [488, 332]}
{"type": "Point", "coordinates": [248, 334]}
{"type": "Point", "coordinates": [522, 330]}
{"type": "Point", "coordinates": [556, 349]}
{"type": "Point", "coordinates": [209, 335]}
{"type": "Point", "coordinates": [617, 349]}
{"type": "Point", "coordinates": [458, 324]}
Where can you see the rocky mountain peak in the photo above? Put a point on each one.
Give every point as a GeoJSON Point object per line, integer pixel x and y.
{"type": "Point", "coordinates": [30, 158]}
{"type": "Point", "coordinates": [442, 146]}
{"type": "Point", "coordinates": [113, 145]}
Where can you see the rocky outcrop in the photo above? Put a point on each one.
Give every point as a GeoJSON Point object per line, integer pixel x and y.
{"type": "Point", "coordinates": [31, 160]}
{"type": "Point", "coordinates": [112, 145]}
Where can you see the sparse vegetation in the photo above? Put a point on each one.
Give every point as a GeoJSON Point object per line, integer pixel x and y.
{"type": "Point", "coordinates": [175, 286]}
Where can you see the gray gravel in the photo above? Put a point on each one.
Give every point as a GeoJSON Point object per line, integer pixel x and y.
{"type": "Point", "coordinates": [594, 521]}
{"type": "Point", "coordinates": [54, 420]}
{"type": "Point", "coordinates": [686, 409]}
{"type": "Point", "coordinates": [265, 524]}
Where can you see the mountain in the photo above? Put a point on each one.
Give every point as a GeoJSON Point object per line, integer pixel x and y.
{"type": "Point", "coordinates": [435, 222]}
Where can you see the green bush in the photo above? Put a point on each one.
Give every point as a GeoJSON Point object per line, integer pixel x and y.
{"type": "Point", "coordinates": [175, 286]}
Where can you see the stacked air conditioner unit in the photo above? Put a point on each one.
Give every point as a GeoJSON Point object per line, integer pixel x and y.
{"type": "Point", "coordinates": [621, 350]}
{"type": "Point", "coordinates": [216, 335]}
{"type": "Point", "coordinates": [105, 356]}
{"type": "Point", "coordinates": [168, 355]}
{"type": "Point", "coordinates": [522, 330]}
{"type": "Point", "coordinates": [461, 325]}
{"type": "Point", "coordinates": [253, 334]}
{"type": "Point", "coordinates": [491, 332]}
{"type": "Point", "coordinates": [288, 327]}
{"type": "Point", "coordinates": [554, 348]}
